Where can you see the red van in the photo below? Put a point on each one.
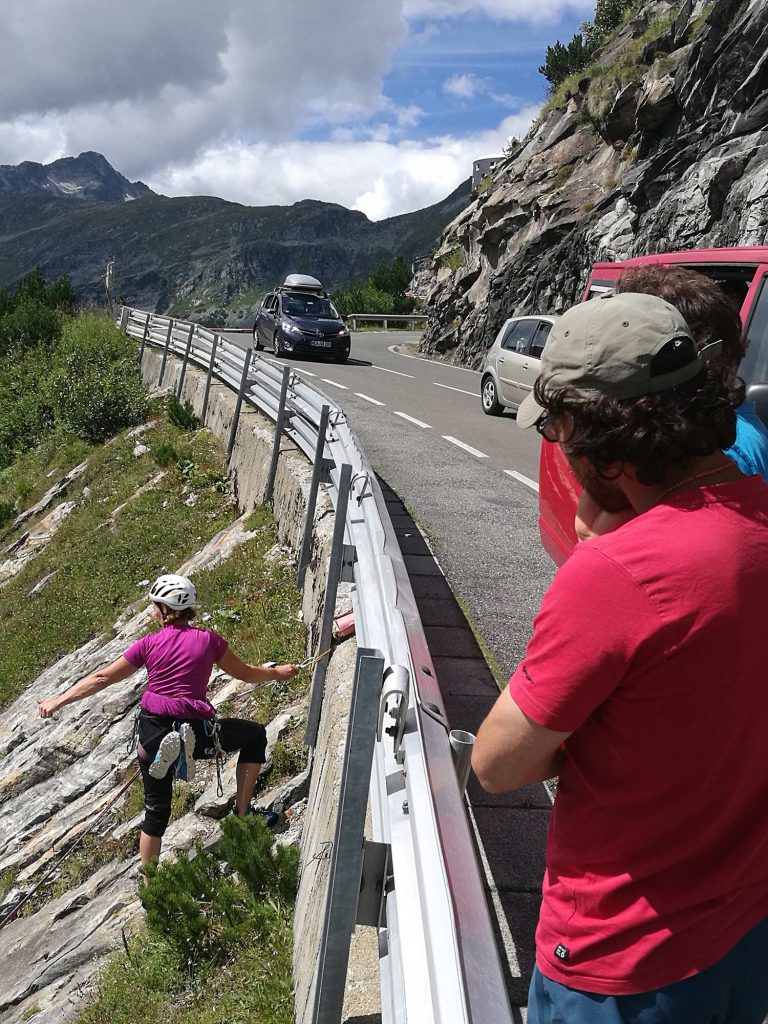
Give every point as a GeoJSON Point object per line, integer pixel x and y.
{"type": "Point", "coordinates": [743, 273]}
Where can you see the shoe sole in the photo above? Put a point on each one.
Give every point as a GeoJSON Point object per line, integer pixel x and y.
{"type": "Point", "coordinates": [188, 742]}
{"type": "Point", "coordinates": [169, 750]}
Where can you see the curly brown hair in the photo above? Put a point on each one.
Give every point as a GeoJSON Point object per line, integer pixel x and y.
{"type": "Point", "coordinates": [655, 433]}
{"type": "Point", "coordinates": [708, 311]}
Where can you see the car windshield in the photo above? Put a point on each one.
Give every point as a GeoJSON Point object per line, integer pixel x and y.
{"type": "Point", "coordinates": [309, 305]}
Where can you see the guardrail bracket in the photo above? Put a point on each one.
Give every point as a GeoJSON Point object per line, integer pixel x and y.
{"type": "Point", "coordinates": [348, 559]}
{"type": "Point", "coordinates": [369, 903]}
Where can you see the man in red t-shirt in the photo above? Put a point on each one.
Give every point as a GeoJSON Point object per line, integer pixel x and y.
{"type": "Point", "coordinates": [643, 688]}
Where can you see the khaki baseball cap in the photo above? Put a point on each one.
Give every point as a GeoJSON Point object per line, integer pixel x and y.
{"type": "Point", "coordinates": [606, 347]}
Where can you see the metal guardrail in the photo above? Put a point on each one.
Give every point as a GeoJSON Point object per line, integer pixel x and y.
{"type": "Point", "coordinates": [385, 318]}
{"type": "Point", "coordinates": [423, 888]}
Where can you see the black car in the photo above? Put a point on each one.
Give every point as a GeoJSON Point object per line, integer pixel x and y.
{"type": "Point", "coordinates": [298, 318]}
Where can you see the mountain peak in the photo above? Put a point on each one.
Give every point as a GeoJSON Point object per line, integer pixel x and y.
{"type": "Point", "coordinates": [87, 176]}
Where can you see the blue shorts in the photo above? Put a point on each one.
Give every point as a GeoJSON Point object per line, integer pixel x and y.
{"type": "Point", "coordinates": [732, 991]}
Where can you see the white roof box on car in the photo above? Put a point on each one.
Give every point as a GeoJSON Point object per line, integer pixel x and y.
{"type": "Point", "coordinates": [302, 282]}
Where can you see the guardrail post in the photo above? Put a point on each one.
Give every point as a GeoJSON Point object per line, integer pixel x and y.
{"type": "Point", "coordinates": [144, 339]}
{"type": "Point", "coordinates": [461, 748]}
{"type": "Point", "coordinates": [346, 865]}
{"type": "Point", "coordinates": [385, 324]}
{"type": "Point", "coordinates": [353, 321]}
{"type": "Point", "coordinates": [318, 469]}
{"type": "Point", "coordinates": [214, 346]}
{"type": "Point", "coordinates": [331, 588]}
{"type": "Point", "coordinates": [125, 315]}
{"type": "Point", "coordinates": [165, 352]}
{"type": "Point", "coordinates": [279, 424]}
{"type": "Point", "coordinates": [183, 373]}
{"type": "Point", "coordinates": [239, 402]}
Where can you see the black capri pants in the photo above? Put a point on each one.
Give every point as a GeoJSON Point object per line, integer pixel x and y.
{"type": "Point", "coordinates": [250, 738]}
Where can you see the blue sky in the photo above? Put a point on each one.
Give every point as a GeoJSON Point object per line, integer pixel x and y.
{"type": "Point", "coordinates": [380, 105]}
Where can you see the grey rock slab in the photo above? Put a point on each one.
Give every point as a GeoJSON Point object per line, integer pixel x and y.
{"type": "Point", "coordinates": [35, 540]}
{"type": "Point", "coordinates": [50, 495]}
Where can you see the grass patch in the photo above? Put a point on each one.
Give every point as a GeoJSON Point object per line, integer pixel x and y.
{"type": "Point", "coordinates": [490, 658]}
{"type": "Point", "coordinates": [452, 260]}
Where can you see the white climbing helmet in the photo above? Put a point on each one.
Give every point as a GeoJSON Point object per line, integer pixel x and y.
{"type": "Point", "coordinates": [175, 592]}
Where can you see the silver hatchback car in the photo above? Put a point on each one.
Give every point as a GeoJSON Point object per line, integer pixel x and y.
{"type": "Point", "coordinates": [512, 363]}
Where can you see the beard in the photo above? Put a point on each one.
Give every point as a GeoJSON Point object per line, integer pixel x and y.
{"type": "Point", "coordinates": [608, 495]}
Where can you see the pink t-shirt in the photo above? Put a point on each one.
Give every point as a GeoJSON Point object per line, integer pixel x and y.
{"type": "Point", "coordinates": [650, 645]}
{"type": "Point", "coordinates": [179, 660]}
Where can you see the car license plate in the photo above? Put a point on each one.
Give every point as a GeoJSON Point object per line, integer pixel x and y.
{"type": "Point", "coordinates": [321, 343]}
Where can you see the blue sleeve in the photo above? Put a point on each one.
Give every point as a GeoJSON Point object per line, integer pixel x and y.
{"type": "Point", "coordinates": [750, 449]}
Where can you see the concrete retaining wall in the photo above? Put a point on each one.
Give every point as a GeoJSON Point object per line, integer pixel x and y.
{"type": "Point", "coordinates": [249, 467]}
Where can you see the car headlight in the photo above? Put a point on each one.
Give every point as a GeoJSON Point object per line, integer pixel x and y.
{"type": "Point", "coordinates": [290, 327]}
{"type": "Point", "coordinates": [344, 330]}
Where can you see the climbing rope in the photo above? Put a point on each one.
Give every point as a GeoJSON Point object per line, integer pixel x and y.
{"type": "Point", "coordinates": [307, 663]}
{"type": "Point", "coordinates": [65, 852]}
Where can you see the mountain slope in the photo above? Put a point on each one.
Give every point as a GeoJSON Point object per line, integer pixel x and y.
{"type": "Point", "coordinates": [199, 255]}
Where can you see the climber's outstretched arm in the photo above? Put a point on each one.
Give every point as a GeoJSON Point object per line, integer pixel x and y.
{"type": "Point", "coordinates": [98, 680]}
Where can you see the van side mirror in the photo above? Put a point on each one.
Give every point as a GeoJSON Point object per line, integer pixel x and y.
{"type": "Point", "coordinates": [758, 393]}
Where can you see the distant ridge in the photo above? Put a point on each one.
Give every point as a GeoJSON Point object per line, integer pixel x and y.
{"type": "Point", "coordinates": [88, 176]}
{"type": "Point", "coordinates": [196, 257]}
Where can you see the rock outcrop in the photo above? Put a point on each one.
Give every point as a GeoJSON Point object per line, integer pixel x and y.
{"type": "Point", "coordinates": [662, 145]}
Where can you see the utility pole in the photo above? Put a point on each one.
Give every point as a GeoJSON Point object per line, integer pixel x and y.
{"type": "Point", "coordinates": [109, 283]}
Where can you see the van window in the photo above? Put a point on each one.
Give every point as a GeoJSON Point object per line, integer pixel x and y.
{"type": "Point", "coordinates": [755, 365]}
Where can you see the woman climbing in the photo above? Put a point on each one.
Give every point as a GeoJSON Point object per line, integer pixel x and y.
{"type": "Point", "coordinates": [175, 714]}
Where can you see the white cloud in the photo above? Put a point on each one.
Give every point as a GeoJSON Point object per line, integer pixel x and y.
{"type": "Point", "coordinates": [196, 97]}
{"type": "Point", "coordinates": [148, 81]}
{"type": "Point", "coordinates": [501, 10]}
{"type": "Point", "coordinates": [464, 86]}
{"type": "Point", "coordinates": [379, 177]}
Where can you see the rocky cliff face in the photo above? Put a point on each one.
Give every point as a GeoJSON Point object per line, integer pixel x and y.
{"type": "Point", "coordinates": [662, 145]}
{"type": "Point", "coordinates": [88, 176]}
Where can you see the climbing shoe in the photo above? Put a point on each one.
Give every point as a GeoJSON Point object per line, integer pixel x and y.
{"type": "Point", "coordinates": [187, 766]}
{"type": "Point", "coordinates": [169, 750]}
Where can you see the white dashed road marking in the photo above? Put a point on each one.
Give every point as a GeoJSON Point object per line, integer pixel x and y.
{"type": "Point", "coordinates": [523, 479]}
{"type": "Point", "coordinates": [335, 383]}
{"type": "Point", "coordinates": [373, 401]}
{"type": "Point", "coordinates": [448, 387]}
{"type": "Point", "coordinates": [306, 373]}
{"type": "Point", "coordinates": [387, 370]}
{"type": "Point", "coordinates": [466, 447]}
{"type": "Point", "coordinates": [412, 419]}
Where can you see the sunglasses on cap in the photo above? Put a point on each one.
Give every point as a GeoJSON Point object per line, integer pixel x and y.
{"type": "Point", "coordinates": [545, 425]}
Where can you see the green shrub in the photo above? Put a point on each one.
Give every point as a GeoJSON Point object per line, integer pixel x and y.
{"type": "Point", "coordinates": [267, 870]}
{"type": "Point", "coordinates": [164, 453]}
{"type": "Point", "coordinates": [383, 291]}
{"type": "Point", "coordinates": [202, 913]}
{"type": "Point", "coordinates": [181, 414]}
{"type": "Point", "coordinates": [95, 387]}
{"type": "Point", "coordinates": [453, 259]}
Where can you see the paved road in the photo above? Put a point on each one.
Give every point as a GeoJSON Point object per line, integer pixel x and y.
{"type": "Point", "coordinates": [468, 479]}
